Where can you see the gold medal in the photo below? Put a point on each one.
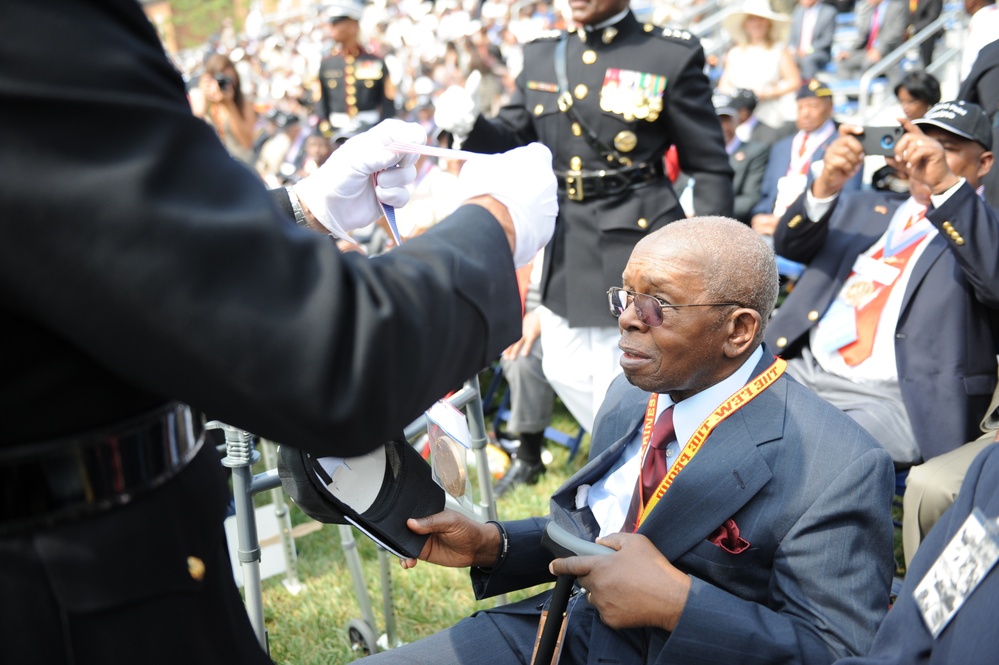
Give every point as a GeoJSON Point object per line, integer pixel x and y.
{"type": "Point", "coordinates": [447, 466]}
{"type": "Point", "coordinates": [858, 293]}
{"type": "Point", "coordinates": [625, 141]}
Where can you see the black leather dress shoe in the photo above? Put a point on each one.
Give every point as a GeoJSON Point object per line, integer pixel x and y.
{"type": "Point", "coordinates": [519, 472]}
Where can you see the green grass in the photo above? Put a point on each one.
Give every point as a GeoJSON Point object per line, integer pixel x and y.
{"type": "Point", "coordinates": [310, 628]}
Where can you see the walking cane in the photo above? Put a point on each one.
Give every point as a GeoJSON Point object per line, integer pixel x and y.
{"type": "Point", "coordinates": [561, 543]}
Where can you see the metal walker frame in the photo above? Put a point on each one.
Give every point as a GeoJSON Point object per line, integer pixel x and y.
{"type": "Point", "coordinates": [240, 458]}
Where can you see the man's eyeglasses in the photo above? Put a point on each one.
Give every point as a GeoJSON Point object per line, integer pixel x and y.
{"type": "Point", "coordinates": [649, 308]}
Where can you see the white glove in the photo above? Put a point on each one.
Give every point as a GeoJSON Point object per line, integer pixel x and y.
{"type": "Point", "coordinates": [342, 194]}
{"type": "Point", "coordinates": [457, 107]}
{"type": "Point", "coordinates": [522, 180]}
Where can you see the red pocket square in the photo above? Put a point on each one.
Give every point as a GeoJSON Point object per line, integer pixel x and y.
{"type": "Point", "coordinates": [727, 537]}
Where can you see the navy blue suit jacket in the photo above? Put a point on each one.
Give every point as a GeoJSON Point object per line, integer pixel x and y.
{"type": "Point", "coordinates": [948, 329]}
{"type": "Point", "coordinates": [809, 489]}
{"type": "Point", "coordinates": [971, 636]}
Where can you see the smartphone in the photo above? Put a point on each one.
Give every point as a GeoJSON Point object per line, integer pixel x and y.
{"type": "Point", "coordinates": [880, 140]}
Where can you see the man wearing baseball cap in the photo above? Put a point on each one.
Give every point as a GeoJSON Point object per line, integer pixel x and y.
{"type": "Point", "coordinates": [747, 157]}
{"type": "Point", "coordinates": [896, 318]}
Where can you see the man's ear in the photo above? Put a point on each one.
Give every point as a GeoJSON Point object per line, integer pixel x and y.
{"type": "Point", "coordinates": [985, 163]}
{"type": "Point", "coordinates": [744, 326]}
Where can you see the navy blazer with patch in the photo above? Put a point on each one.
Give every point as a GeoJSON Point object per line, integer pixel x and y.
{"type": "Point", "coordinates": [948, 328]}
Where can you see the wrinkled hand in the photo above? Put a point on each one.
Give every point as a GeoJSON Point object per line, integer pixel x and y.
{"type": "Point", "coordinates": [456, 109]}
{"type": "Point", "coordinates": [523, 181]}
{"type": "Point", "coordinates": [843, 159]}
{"type": "Point", "coordinates": [342, 194]}
{"type": "Point", "coordinates": [455, 541]}
{"type": "Point", "coordinates": [530, 331]}
{"type": "Point", "coordinates": [923, 159]}
{"type": "Point", "coordinates": [632, 588]}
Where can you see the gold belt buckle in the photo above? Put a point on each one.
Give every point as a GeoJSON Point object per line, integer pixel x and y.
{"type": "Point", "coordinates": [574, 185]}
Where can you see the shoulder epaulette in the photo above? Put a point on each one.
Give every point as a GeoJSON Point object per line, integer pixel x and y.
{"type": "Point", "coordinates": [677, 35]}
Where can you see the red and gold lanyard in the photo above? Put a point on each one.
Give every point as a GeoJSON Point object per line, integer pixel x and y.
{"type": "Point", "coordinates": [736, 401]}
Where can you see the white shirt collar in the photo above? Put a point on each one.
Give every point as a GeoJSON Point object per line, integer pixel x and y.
{"type": "Point", "coordinates": [691, 412]}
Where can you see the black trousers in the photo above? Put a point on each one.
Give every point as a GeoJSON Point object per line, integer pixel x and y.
{"type": "Point", "coordinates": [118, 587]}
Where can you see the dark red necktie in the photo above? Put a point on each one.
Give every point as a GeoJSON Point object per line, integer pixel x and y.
{"type": "Point", "coordinates": [654, 467]}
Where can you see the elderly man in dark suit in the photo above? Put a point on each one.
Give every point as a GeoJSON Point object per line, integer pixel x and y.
{"type": "Point", "coordinates": [609, 98]}
{"type": "Point", "coordinates": [813, 26]}
{"type": "Point", "coordinates": [881, 26]}
{"type": "Point", "coordinates": [748, 158]}
{"type": "Point", "coordinates": [896, 317]}
{"type": "Point", "coordinates": [722, 484]}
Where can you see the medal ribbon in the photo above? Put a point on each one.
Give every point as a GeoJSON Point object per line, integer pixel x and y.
{"type": "Point", "coordinates": [736, 401]}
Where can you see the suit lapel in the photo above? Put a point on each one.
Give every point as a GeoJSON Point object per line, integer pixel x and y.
{"type": "Point", "coordinates": [724, 475]}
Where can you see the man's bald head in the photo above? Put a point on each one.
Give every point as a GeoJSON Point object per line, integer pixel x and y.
{"type": "Point", "coordinates": [737, 264]}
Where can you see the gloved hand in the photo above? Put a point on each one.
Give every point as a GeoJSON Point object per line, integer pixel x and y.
{"type": "Point", "coordinates": [342, 194]}
{"type": "Point", "coordinates": [522, 180]}
{"type": "Point", "coordinates": [457, 107]}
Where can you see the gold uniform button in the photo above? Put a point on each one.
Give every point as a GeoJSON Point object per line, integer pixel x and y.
{"type": "Point", "coordinates": [813, 315]}
{"type": "Point", "coordinates": [349, 78]}
{"type": "Point", "coordinates": [589, 56]}
{"type": "Point", "coordinates": [959, 241]}
{"type": "Point", "coordinates": [539, 109]}
{"type": "Point", "coordinates": [576, 163]}
{"type": "Point", "coordinates": [625, 141]}
{"type": "Point", "coordinates": [643, 223]}
{"type": "Point", "coordinates": [334, 84]}
{"type": "Point", "coordinates": [196, 568]}
{"type": "Point", "coordinates": [781, 342]}
{"type": "Point", "coordinates": [351, 89]}
{"type": "Point", "coordinates": [948, 227]}
{"type": "Point", "coordinates": [581, 91]}
{"type": "Point", "coordinates": [648, 27]}
{"type": "Point", "coordinates": [577, 129]}
{"type": "Point", "coordinates": [351, 99]}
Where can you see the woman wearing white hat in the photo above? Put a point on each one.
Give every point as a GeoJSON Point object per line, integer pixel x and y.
{"type": "Point", "coordinates": [759, 61]}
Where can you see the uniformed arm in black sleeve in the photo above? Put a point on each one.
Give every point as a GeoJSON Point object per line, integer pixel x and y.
{"type": "Point", "coordinates": [142, 264]}
{"type": "Point", "coordinates": [698, 137]}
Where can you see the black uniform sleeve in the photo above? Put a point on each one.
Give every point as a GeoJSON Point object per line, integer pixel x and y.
{"type": "Point", "coordinates": [150, 263]}
{"type": "Point", "coordinates": [698, 138]}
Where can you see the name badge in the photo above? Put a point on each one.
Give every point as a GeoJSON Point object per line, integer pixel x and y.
{"type": "Point", "coordinates": [957, 572]}
{"type": "Point", "coordinates": [880, 272]}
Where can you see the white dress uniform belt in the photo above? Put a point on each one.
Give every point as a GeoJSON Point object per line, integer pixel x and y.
{"type": "Point", "coordinates": [586, 185]}
{"type": "Point", "coordinates": [53, 481]}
